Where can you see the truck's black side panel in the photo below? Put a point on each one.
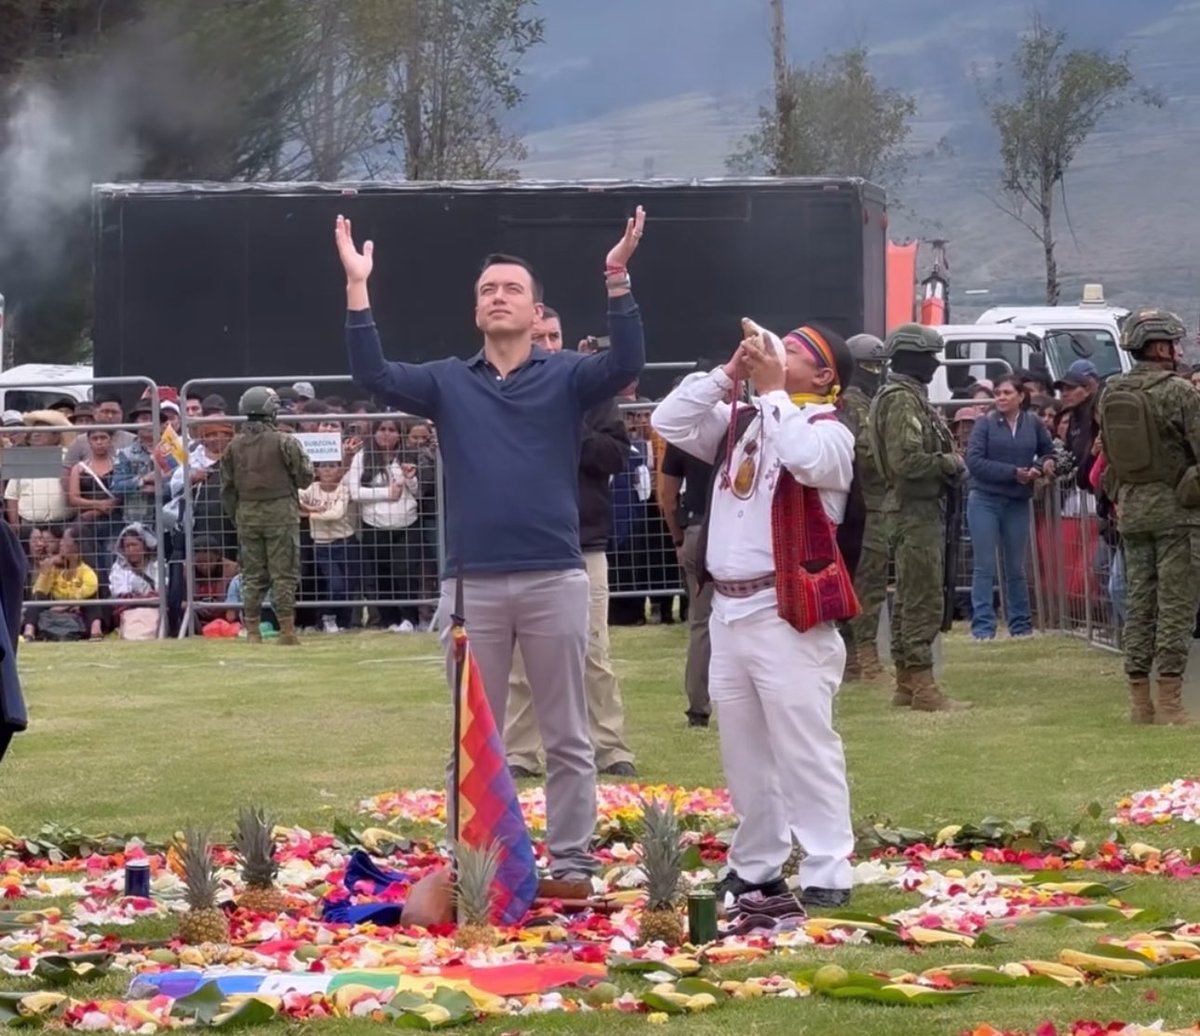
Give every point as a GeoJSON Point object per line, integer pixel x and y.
{"type": "Point", "coordinates": [211, 282]}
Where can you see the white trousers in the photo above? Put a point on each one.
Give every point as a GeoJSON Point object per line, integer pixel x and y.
{"type": "Point", "coordinates": [772, 689]}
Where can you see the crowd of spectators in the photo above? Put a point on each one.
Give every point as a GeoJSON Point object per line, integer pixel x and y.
{"type": "Point", "coordinates": [97, 507]}
{"type": "Point", "coordinates": [1077, 546]}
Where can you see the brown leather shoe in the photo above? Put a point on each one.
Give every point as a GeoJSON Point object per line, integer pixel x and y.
{"type": "Point", "coordinates": [287, 632]}
{"type": "Point", "coordinates": [568, 888]}
{"type": "Point", "coordinates": [253, 631]}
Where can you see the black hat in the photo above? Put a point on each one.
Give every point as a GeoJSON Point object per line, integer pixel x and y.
{"type": "Point", "coordinates": [214, 404]}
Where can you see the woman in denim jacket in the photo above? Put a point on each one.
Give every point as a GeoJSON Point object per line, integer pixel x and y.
{"type": "Point", "coordinates": [1009, 450]}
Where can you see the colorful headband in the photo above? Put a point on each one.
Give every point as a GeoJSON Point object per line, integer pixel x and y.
{"type": "Point", "coordinates": [815, 343]}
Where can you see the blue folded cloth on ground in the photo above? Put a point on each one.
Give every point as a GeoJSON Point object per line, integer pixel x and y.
{"type": "Point", "coordinates": [359, 871]}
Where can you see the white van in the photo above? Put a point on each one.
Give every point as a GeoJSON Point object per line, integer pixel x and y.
{"type": "Point", "coordinates": [50, 382]}
{"type": "Point", "coordinates": [1088, 331]}
{"type": "Point", "coordinates": [975, 351]}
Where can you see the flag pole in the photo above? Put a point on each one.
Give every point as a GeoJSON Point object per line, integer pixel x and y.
{"type": "Point", "coordinates": [457, 620]}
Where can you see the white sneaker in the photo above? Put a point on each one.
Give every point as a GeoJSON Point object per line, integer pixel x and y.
{"type": "Point", "coordinates": [329, 625]}
{"type": "Point", "coordinates": [405, 627]}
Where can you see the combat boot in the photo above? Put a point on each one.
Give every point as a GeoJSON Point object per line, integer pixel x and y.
{"type": "Point", "coordinates": [253, 629]}
{"type": "Point", "coordinates": [852, 673]}
{"type": "Point", "coordinates": [287, 631]}
{"type": "Point", "coordinates": [1170, 702]}
{"type": "Point", "coordinates": [869, 665]}
{"type": "Point", "coordinates": [1141, 705]}
{"type": "Point", "coordinates": [928, 697]}
{"type": "Point", "coordinates": [902, 696]}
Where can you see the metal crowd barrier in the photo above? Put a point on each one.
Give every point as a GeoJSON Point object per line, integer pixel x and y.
{"type": "Point", "coordinates": [386, 572]}
{"type": "Point", "coordinates": [56, 533]}
{"type": "Point", "coordinates": [1069, 566]}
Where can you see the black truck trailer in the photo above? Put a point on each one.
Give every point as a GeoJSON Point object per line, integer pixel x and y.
{"type": "Point", "coordinates": [240, 280]}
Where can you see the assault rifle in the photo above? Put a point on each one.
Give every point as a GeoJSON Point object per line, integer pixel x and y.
{"type": "Point", "coordinates": [954, 499]}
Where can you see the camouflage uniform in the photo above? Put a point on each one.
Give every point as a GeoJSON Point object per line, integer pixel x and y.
{"type": "Point", "coordinates": [262, 474]}
{"type": "Point", "coordinates": [871, 576]}
{"type": "Point", "coordinates": [914, 454]}
{"type": "Point", "coordinates": [1158, 511]}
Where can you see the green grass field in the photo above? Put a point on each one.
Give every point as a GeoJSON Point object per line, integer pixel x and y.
{"type": "Point", "coordinates": [131, 737]}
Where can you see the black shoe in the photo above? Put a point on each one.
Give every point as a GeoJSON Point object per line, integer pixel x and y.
{"type": "Point", "coordinates": [620, 770]}
{"type": "Point", "coordinates": [824, 899]}
{"type": "Point", "coordinates": [519, 773]}
{"type": "Point", "coordinates": [736, 886]}
{"type": "Point", "coordinates": [697, 721]}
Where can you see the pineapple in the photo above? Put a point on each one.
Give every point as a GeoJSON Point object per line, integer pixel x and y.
{"type": "Point", "coordinates": [205, 922]}
{"type": "Point", "coordinates": [662, 860]}
{"type": "Point", "coordinates": [256, 847]}
{"type": "Point", "coordinates": [475, 872]}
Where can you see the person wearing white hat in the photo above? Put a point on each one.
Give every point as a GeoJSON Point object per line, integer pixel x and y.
{"type": "Point", "coordinates": [10, 436]}
{"type": "Point", "coordinates": [37, 501]}
{"type": "Point", "coordinates": [305, 390]}
{"type": "Point", "coordinates": [783, 472]}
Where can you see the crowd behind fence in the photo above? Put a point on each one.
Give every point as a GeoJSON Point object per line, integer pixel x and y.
{"type": "Point", "coordinates": [137, 503]}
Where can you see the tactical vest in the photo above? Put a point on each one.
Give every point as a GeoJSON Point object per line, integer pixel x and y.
{"type": "Point", "coordinates": [936, 432]}
{"type": "Point", "coordinates": [260, 469]}
{"type": "Point", "coordinates": [1132, 442]}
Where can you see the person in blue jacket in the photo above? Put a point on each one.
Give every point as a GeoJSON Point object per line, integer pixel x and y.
{"type": "Point", "coordinates": [1009, 450]}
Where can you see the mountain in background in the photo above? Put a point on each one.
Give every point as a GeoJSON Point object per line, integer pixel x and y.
{"type": "Point", "coordinates": [638, 88]}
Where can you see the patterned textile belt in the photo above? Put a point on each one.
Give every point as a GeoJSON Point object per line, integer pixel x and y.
{"type": "Point", "coordinates": [744, 587]}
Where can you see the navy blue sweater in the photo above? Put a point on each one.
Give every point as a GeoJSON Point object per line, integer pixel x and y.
{"type": "Point", "coordinates": [995, 453]}
{"type": "Point", "coordinates": [510, 446]}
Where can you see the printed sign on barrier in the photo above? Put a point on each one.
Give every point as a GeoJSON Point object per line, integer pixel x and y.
{"type": "Point", "coordinates": [321, 447]}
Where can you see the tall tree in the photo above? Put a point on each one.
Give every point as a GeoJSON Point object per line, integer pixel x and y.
{"type": "Point", "coordinates": [1045, 103]}
{"type": "Point", "coordinates": [832, 118]}
{"type": "Point", "coordinates": [453, 74]}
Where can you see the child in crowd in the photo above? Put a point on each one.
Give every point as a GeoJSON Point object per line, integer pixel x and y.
{"type": "Point", "coordinates": [327, 504]}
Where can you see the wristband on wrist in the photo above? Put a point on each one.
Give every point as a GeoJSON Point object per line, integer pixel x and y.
{"type": "Point", "coordinates": [621, 283]}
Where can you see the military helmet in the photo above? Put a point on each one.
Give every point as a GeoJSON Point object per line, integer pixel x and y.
{"type": "Point", "coordinates": [865, 348]}
{"type": "Point", "coordinates": [259, 401]}
{"type": "Point", "coordinates": [1150, 325]}
{"type": "Point", "coordinates": [913, 338]}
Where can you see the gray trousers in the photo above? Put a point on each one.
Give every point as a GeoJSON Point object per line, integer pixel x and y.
{"type": "Point", "coordinates": [546, 613]}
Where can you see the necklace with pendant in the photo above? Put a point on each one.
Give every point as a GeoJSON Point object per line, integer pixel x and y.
{"type": "Point", "coordinates": [744, 481]}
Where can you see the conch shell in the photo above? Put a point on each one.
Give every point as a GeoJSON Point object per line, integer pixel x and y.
{"type": "Point", "coordinates": [752, 329]}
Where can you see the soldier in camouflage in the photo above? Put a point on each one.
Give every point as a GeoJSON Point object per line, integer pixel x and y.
{"type": "Point", "coordinates": [914, 455]}
{"type": "Point", "coordinates": [1150, 429]}
{"type": "Point", "coordinates": [871, 576]}
{"type": "Point", "coordinates": [262, 474]}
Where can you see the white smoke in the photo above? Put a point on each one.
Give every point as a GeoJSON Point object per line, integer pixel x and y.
{"type": "Point", "coordinates": [57, 145]}
{"type": "Point", "coordinates": [79, 121]}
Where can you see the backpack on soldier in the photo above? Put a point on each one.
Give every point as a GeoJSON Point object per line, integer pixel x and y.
{"type": "Point", "coordinates": [1131, 440]}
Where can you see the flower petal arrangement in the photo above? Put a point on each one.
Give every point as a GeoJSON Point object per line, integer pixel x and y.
{"type": "Point", "coordinates": [966, 887]}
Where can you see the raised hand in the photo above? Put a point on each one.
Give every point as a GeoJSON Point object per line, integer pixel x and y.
{"type": "Point", "coordinates": [763, 365]}
{"type": "Point", "coordinates": [623, 250]}
{"type": "Point", "coordinates": [358, 265]}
